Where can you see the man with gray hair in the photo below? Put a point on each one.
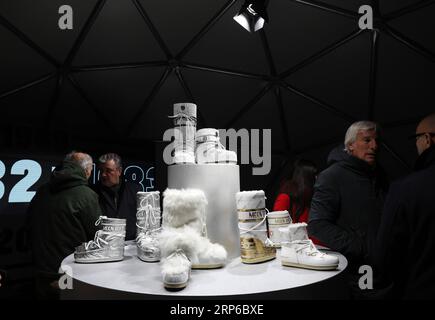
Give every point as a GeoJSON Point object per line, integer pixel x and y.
{"type": "Point", "coordinates": [117, 197]}
{"type": "Point", "coordinates": [62, 216]}
{"type": "Point", "coordinates": [348, 199]}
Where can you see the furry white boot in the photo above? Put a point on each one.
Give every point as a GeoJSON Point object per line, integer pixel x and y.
{"type": "Point", "coordinates": [176, 270]}
{"type": "Point", "coordinates": [297, 250]}
{"type": "Point", "coordinates": [184, 228]}
{"type": "Point", "coordinates": [293, 232]}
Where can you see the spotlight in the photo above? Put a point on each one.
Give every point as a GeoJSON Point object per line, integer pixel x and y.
{"type": "Point", "coordinates": [252, 15]}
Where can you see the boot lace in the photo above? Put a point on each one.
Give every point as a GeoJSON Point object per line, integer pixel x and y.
{"type": "Point", "coordinates": [312, 250]}
{"type": "Point", "coordinates": [179, 253]}
{"type": "Point", "coordinates": [268, 242]}
{"type": "Point", "coordinates": [189, 121]}
{"type": "Point", "coordinates": [148, 206]}
{"type": "Point", "coordinates": [97, 242]}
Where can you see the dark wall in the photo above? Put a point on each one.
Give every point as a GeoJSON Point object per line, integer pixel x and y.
{"type": "Point", "coordinates": [108, 85]}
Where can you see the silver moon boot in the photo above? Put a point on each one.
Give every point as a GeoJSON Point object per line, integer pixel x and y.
{"type": "Point", "coordinates": [148, 226]}
{"type": "Point", "coordinates": [108, 243]}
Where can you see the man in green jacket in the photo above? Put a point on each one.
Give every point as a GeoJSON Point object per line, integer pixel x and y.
{"type": "Point", "coordinates": [62, 215]}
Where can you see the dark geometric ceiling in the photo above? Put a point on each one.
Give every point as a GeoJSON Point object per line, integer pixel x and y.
{"type": "Point", "coordinates": [307, 75]}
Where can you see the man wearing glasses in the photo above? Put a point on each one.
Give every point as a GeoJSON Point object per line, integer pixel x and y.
{"type": "Point", "coordinates": [406, 239]}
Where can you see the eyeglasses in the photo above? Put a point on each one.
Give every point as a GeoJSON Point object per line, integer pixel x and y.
{"type": "Point", "coordinates": [418, 135]}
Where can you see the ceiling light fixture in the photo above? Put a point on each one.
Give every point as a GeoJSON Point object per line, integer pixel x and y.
{"type": "Point", "coordinates": [252, 15]}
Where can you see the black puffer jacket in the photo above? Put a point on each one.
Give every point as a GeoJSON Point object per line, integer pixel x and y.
{"type": "Point", "coordinates": [406, 239]}
{"type": "Point", "coordinates": [62, 215]}
{"type": "Point", "coordinates": [346, 207]}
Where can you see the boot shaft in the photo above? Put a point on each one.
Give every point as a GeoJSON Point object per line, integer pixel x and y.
{"type": "Point", "coordinates": [294, 232]}
{"type": "Point", "coordinates": [184, 112]}
{"type": "Point", "coordinates": [275, 221]}
{"type": "Point", "coordinates": [184, 207]}
{"type": "Point", "coordinates": [208, 136]}
{"type": "Point", "coordinates": [185, 123]}
{"type": "Point", "coordinates": [112, 225]}
{"type": "Point", "coordinates": [113, 231]}
{"type": "Point", "coordinates": [209, 148]}
{"type": "Point", "coordinates": [148, 214]}
{"type": "Point", "coordinates": [252, 213]}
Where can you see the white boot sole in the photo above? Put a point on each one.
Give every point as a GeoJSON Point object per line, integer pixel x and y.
{"type": "Point", "coordinates": [305, 266]}
{"type": "Point", "coordinates": [258, 260]}
{"type": "Point", "coordinates": [175, 285]}
{"type": "Point", "coordinates": [100, 260]}
{"type": "Point", "coordinates": [148, 259]}
{"type": "Point", "coordinates": [207, 266]}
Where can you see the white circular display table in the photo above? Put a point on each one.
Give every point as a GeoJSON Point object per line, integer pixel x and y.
{"type": "Point", "coordinates": [236, 279]}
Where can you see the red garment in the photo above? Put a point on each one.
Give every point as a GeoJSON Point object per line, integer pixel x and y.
{"type": "Point", "coordinates": [282, 202]}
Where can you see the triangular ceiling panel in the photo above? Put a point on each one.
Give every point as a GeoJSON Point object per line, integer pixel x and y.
{"type": "Point", "coordinates": [340, 78]}
{"type": "Point", "coordinates": [293, 37]}
{"type": "Point", "coordinates": [29, 106]}
{"type": "Point", "coordinates": [119, 94]}
{"type": "Point", "coordinates": [268, 183]}
{"type": "Point", "coordinates": [419, 26]}
{"type": "Point", "coordinates": [119, 35]}
{"type": "Point", "coordinates": [228, 45]}
{"type": "Point", "coordinates": [216, 97]}
{"type": "Point", "coordinates": [405, 89]}
{"type": "Point", "coordinates": [398, 139]}
{"type": "Point", "coordinates": [388, 6]}
{"type": "Point", "coordinates": [74, 115]}
{"type": "Point", "coordinates": [352, 5]}
{"type": "Point", "coordinates": [154, 121]}
{"type": "Point", "coordinates": [391, 165]}
{"type": "Point", "coordinates": [20, 62]}
{"type": "Point", "coordinates": [178, 21]}
{"type": "Point", "coordinates": [309, 124]}
{"type": "Point", "coordinates": [265, 115]}
{"type": "Point", "coordinates": [39, 21]}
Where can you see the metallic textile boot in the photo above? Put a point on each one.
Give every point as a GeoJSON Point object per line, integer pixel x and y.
{"type": "Point", "coordinates": [148, 226]}
{"type": "Point", "coordinates": [209, 149]}
{"type": "Point", "coordinates": [108, 243]}
{"type": "Point", "coordinates": [185, 129]}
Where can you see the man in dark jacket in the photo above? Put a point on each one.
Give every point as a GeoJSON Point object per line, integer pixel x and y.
{"type": "Point", "coordinates": [62, 215]}
{"type": "Point", "coordinates": [348, 199]}
{"type": "Point", "coordinates": [406, 238]}
{"type": "Point", "coordinates": [117, 197]}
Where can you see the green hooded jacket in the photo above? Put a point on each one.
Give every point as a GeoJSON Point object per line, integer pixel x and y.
{"type": "Point", "coordinates": [62, 215]}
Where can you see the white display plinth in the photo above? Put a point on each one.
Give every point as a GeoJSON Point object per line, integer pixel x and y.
{"type": "Point", "coordinates": [220, 183]}
{"type": "Point", "coordinates": [116, 280]}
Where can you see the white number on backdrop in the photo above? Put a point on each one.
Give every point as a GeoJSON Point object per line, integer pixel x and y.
{"type": "Point", "coordinates": [135, 174]}
{"type": "Point", "coordinates": [2, 173]}
{"type": "Point", "coordinates": [32, 171]}
{"type": "Point", "coordinates": [151, 180]}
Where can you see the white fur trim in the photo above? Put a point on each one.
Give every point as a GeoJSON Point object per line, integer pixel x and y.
{"type": "Point", "coordinates": [182, 206]}
{"type": "Point", "coordinates": [197, 248]}
{"type": "Point", "coordinates": [175, 264]}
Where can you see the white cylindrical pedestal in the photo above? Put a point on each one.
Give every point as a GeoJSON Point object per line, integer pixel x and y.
{"type": "Point", "coordinates": [220, 183]}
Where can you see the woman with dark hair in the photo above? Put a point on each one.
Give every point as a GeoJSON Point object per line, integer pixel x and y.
{"type": "Point", "coordinates": [296, 191]}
